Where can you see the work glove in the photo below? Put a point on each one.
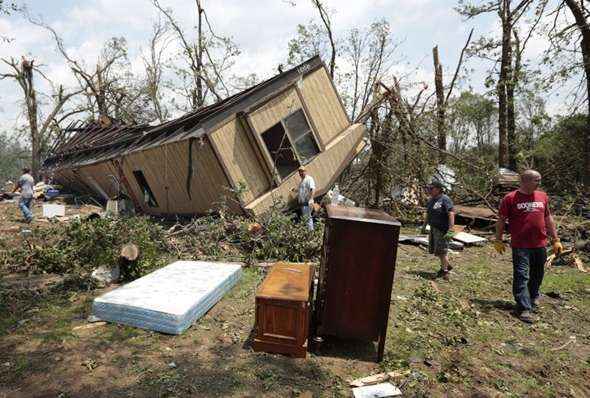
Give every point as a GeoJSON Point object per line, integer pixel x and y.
{"type": "Point", "coordinates": [423, 230]}
{"type": "Point", "coordinates": [499, 246]}
{"type": "Point", "coordinates": [449, 235]}
{"type": "Point", "coordinates": [557, 246]}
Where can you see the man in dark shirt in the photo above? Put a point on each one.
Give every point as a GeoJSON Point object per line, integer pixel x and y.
{"type": "Point", "coordinates": [441, 218]}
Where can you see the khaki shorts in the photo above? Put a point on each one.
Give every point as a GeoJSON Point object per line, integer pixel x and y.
{"type": "Point", "coordinates": [437, 244]}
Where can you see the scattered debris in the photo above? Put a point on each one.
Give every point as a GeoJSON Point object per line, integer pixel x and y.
{"type": "Point", "coordinates": [92, 318]}
{"type": "Point", "coordinates": [571, 340]}
{"type": "Point", "coordinates": [104, 275]}
{"type": "Point", "coordinates": [422, 240]}
{"type": "Point", "coordinates": [382, 390]}
{"type": "Point", "coordinates": [567, 257]}
{"type": "Point", "coordinates": [255, 228]}
{"type": "Point", "coordinates": [469, 239]}
{"type": "Point", "coordinates": [379, 378]}
{"type": "Point", "coordinates": [90, 364]}
{"type": "Point", "coordinates": [89, 326]}
{"type": "Point", "coordinates": [475, 216]}
{"type": "Point", "coordinates": [53, 210]}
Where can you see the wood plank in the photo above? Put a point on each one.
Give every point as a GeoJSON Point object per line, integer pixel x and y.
{"type": "Point", "coordinates": [240, 159]}
{"type": "Point", "coordinates": [324, 105]}
{"type": "Point", "coordinates": [314, 130]}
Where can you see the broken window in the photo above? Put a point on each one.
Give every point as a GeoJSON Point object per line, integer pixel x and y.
{"type": "Point", "coordinates": [301, 136]}
{"type": "Point", "coordinates": [280, 149]}
{"type": "Point", "coordinates": [148, 196]}
{"type": "Point", "coordinates": [290, 143]}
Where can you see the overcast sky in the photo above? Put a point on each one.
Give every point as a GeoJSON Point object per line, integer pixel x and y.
{"type": "Point", "coordinates": [261, 29]}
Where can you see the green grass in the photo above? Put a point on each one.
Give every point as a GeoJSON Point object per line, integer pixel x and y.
{"type": "Point", "coordinates": [456, 338]}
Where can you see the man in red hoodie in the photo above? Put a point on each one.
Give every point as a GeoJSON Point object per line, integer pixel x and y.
{"type": "Point", "coordinates": [527, 212]}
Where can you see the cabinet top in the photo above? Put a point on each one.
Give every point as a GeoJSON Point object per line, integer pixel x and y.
{"type": "Point", "coordinates": [360, 214]}
{"type": "Point", "coordinates": [287, 281]}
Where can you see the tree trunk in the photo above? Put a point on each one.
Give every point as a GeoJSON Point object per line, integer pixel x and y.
{"type": "Point", "coordinates": [31, 102]}
{"type": "Point", "coordinates": [199, 94]}
{"type": "Point", "coordinates": [101, 101]}
{"type": "Point", "coordinates": [584, 28]}
{"type": "Point", "coordinates": [511, 79]}
{"type": "Point", "coordinates": [440, 105]}
{"type": "Point", "coordinates": [505, 63]}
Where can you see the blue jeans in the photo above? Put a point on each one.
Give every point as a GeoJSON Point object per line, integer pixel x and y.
{"type": "Point", "coordinates": [529, 268]}
{"type": "Point", "coordinates": [25, 206]}
{"type": "Point", "coordinates": [306, 215]}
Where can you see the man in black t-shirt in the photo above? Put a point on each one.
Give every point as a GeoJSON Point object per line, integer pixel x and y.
{"type": "Point", "coordinates": [441, 218]}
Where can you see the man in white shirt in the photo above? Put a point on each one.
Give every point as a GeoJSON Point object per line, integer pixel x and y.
{"type": "Point", "coordinates": [305, 196]}
{"type": "Point", "coordinates": [25, 183]}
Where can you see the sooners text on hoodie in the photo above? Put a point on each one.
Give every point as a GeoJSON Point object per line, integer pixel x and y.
{"type": "Point", "coordinates": [526, 217]}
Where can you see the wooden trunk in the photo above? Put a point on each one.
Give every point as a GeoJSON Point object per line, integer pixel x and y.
{"type": "Point", "coordinates": [356, 274]}
{"type": "Point", "coordinates": [283, 310]}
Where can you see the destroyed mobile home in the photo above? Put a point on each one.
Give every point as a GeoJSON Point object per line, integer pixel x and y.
{"type": "Point", "coordinates": [252, 142]}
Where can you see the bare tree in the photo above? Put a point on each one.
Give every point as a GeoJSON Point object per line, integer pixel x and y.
{"type": "Point", "coordinates": [441, 99]}
{"type": "Point", "coordinates": [571, 44]}
{"type": "Point", "coordinates": [154, 67]}
{"type": "Point", "coordinates": [206, 71]}
{"type": "Point", "coordinates": [311, 38]}
{"type": "Point", "coordinates": [319, 5]}
{"type": "Point", "coordinates": [509, 13]}
{"type": "Point", "coordinates": [23, 73]}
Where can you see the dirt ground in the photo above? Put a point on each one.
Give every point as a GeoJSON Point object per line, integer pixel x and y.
{"type": "Point", "coordinates": [457, 338]}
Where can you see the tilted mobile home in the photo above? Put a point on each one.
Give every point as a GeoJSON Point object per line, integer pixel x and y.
{"type": "Point", "coordinates": [251, 143]}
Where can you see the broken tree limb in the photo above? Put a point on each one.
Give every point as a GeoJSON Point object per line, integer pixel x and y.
{"type": "Point", "coordinates": [458, 66]}
{"type": "Point", "coordinates": [378, 99]}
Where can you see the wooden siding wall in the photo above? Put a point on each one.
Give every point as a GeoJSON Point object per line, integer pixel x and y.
{"type": "Point", "coordinates": [98, 177]}
{"type": "Point", "coordinates": [322, 168]}
{"type": "Point", "coordinates": [274, 110]}
{"type": "Point", "coordinates": [166, 170]}
{"type": "Point", "coordinates": [240, 160]}
{"type": "Point", "coordinates": [71, 178]}
{"type": "Point", "coordinates": [323, 105]}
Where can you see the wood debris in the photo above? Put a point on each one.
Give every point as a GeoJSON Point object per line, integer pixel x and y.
{"type": "Point", "coordinates": [379, 378]}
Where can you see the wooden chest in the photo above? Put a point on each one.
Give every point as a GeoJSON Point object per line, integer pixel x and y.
{"type": "Point", "coordinates": [356, 274]}
{"type": "Point", "coordinates": [283, 310]}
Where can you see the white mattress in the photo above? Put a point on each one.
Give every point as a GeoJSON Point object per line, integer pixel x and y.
{"type": "Point", "coordinates": [170, 299]}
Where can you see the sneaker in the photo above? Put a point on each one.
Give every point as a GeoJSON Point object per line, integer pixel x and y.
{"type": "Point", "coordinates": [443, 274]}
{"type": "Point", "coordinates": [526, 316]}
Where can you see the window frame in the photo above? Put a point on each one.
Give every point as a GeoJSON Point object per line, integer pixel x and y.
{"type": "Point", "coordinates": [293, 142]}
{"type": "Point", "coordinates": [292, 148]}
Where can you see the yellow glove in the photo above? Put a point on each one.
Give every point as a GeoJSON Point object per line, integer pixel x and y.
{"type": "Point", "coordinates": [499, 246]}
{"type": "Point", "coordinates": [557, 247]}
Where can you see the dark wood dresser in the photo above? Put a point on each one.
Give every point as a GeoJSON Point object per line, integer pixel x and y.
{"type": "Point", "coordinates": [356, 274]}
{"type": "Point", "coordinates": [283, 310]}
